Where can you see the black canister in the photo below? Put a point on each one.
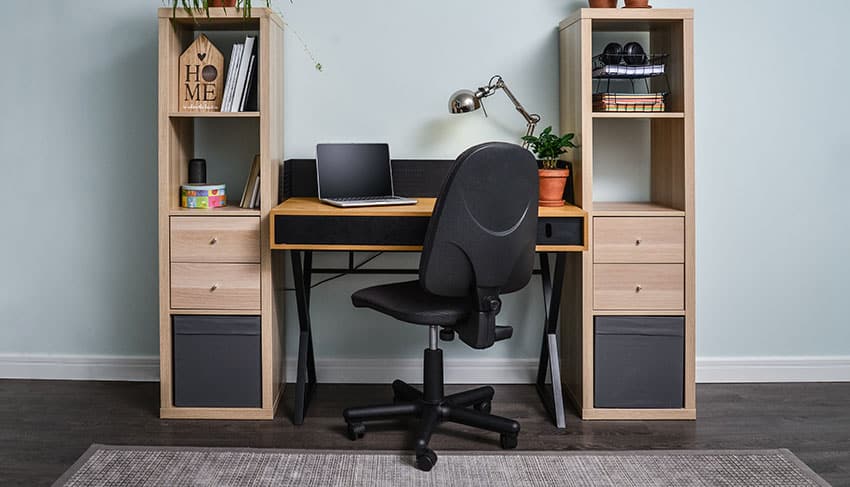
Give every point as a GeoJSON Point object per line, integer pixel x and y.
{"type": "Point", "coordinates": [197, 171]}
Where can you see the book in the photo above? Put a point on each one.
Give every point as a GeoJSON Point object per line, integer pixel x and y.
{"type": "Point", "coordinates": [230, 82]}
{"type": "Point", "coordinates": [242, 73]}
{"type": "Point", "coordinates": [255, 198]}
{"type": "Point", "coordinates": [253, 177]}
{"type": "Point", "coordinates": [248, 84]}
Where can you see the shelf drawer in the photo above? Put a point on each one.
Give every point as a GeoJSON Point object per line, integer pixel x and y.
{"type": "Point", "coordinates": [639, 240]}
{"type": "Point", "coordinates": [638, 286]}
{"type": "Point", "coordinates": [215, 239]}
{"type": "Point", "coordinates": [215, 286]}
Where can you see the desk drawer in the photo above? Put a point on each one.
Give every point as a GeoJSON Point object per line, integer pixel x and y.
{"type": "Point", "coordinates": [639, 240]}
{"type": "Point", "coordinates": [638, 286]}
{"type": "Point", "coordinates": [397, 231]}
{"type": "Point", "coordinates": [215, 239]}
{"type": "Point", "coordinates": [215, 286]}
{"type": "Point", "coordinates": [560, 231]}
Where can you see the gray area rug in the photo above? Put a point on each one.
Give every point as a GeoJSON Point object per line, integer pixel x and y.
{"type": "Point", "coordinates": [176, 466]}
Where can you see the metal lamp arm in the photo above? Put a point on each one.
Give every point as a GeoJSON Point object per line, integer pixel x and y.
{"type": "Point", "coordinates": [497, 83]}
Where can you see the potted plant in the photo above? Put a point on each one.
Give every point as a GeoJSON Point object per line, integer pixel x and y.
{"type": "Point", "coordinates": [553, 180]}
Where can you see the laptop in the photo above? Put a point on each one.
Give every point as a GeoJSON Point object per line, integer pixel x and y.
{"type": "Point", "coordinates": [350, 175]}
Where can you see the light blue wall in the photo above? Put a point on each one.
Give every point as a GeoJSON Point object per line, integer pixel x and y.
{"type": "Point", "coordinates": [78, 160]}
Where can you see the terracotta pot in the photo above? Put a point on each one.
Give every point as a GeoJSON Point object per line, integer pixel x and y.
{"type": "Point", "coordinates": [552, 184]}
{"type": "Point", "coordinates": [603, 3]}
{"type": "Point", "coordinates": [222, 3]}
{"type": "Point", "coordinates": [637, 4]}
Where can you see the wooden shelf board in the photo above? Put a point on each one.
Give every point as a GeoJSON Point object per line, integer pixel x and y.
{"type": "Point", "coordinates": [220, 18]}
{"type": "Point", "coordinates": [638, 115]}
{"type": "Point", "coordinates": [214, 115]}
{"type": "Point", "coordinates": [683, 414]}
{"type": "Point", "coordinates": [232, 209]}
{"type": "Point", "coordinates": [633, 208]}
{"type": "Point", "coordinates": [626, 19]}
{"type": "Point", "coordinates": [201, 312]}
{"type": "Point", "coordinates": [642, 312]}
{"type": "Point", "coordinates": [217, 413]}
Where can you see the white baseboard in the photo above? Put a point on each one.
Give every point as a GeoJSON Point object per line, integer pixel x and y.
{"type": "Point", "coordinates": [773, 369]}
{"type": "Point", "coordinates": [80, 367]}
{"type": "Point", "coordinates": [457, 371]}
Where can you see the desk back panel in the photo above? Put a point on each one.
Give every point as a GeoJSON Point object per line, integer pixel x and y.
{"type": "Point", "coordinates": [411, 177]}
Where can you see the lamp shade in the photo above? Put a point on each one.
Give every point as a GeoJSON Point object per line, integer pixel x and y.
{"type": "Point", "coordinates": [463, 101]}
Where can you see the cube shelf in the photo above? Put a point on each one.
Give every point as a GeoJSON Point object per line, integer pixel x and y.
{"type": "Point", "coordinates": [646, 263]}
{"type": "Point", "coordinates": [224, 269]}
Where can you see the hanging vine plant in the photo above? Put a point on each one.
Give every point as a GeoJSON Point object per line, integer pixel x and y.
{"type": "Point", "coordinates": [191, 7]}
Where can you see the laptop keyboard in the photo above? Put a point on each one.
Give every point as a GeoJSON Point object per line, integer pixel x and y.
{"type": "Point", "coordinates": [366, 198]}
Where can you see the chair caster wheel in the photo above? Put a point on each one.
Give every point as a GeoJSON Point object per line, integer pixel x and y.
{"type": "Point", "coordinates": [356, 430]}
{"type": "Point", "coordinates": [426, 460]}
{"type": "Point", "coordinates": [508, 441]}
{"type": "Point", "coordinates": [483, 407]}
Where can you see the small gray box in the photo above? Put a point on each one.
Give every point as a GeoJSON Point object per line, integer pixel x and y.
{"type": "Point", "coordinates": [639, 361]}
{"type": "Point", "coordinates": [217, 361]}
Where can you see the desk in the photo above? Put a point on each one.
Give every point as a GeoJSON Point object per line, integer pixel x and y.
{"type": "Point", "coordinates": [303, 225]}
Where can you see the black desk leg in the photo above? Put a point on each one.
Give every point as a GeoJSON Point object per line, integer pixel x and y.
{"type": "Point", "coordinates": [306, 377]}
{"type": "Point", "coordinates": [549, 357]}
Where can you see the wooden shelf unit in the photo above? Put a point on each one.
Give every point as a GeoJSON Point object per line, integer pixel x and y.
{"type": "Point", "coordinates": [671, 194]}
{"type": "Point", "coordinates": [176, 147]}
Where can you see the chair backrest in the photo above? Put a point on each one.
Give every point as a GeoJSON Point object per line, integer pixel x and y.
{"type": "Point", "coordinates": [481, 237]}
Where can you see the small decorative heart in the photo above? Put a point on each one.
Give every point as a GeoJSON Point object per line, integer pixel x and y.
{"type": "Point", "coordinates": [202, 55]}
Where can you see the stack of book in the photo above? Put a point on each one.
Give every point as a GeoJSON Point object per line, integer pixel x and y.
{"type": "Point", "coordinates": [240, 91]}
{"type": "Point", "coordinates": [251, 193]}
{"type": "Point", "coordinates": [628, 102]}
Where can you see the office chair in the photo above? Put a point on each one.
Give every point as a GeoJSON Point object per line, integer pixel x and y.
{"type": "Point", "coordinates": [479, 244]}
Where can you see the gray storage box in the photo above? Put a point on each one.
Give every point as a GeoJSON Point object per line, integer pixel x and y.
{"type": "Point", "coordinates": [217, 361]}
{"type": "Point", "coordinates": [639, 362]}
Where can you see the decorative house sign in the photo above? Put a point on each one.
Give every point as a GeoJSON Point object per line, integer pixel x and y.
{"type": "Point", "coordinates": [201, 77]}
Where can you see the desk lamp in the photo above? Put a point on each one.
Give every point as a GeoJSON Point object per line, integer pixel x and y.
{"type": "Point", "coordinates": [463, 101]}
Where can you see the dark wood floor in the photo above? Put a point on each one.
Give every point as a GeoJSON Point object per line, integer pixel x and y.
{"type": "Point", "coordinates": [46, 425]}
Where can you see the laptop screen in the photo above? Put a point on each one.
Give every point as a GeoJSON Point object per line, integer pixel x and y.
{"type": "Point", "coordinates": [346, 170]}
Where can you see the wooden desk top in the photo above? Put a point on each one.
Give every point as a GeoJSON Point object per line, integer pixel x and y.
{"type": "Point", "coordinates": [424, 207]}
{"type": "Point", "coordinates": [320, 237]}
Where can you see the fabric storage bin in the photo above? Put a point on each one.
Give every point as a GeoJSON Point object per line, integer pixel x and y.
{"type": "Point", "coordinates": [639, 361]}
{"type": "Point", "coordinates": [217, 361]}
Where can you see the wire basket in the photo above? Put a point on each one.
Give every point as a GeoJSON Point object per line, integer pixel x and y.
{"type": "Point", "coordinates": [629, 102]}
{"type": "Point", "coordinates": [621, 86]}
{"type": "Point", "coordinates": [617, 66]}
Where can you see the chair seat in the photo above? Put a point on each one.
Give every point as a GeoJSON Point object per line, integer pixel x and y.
{"type": "Point", "coordinates": [407, 301]}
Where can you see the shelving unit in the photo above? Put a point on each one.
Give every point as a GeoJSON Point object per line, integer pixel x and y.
{"type": "Point", "coordinates": [638, 271]}
{"type": "Point", "coordinates": [216, 263]}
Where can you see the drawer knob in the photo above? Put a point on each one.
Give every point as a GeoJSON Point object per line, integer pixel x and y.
{"type": "Point", "coordinates": [213, 240]}
{"type": "Point", "coordinates": [638, 288]}
{"type": "Point", "coordinates": [214, 287]}
{"type": "Point", "coordinates": [637, 242]}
